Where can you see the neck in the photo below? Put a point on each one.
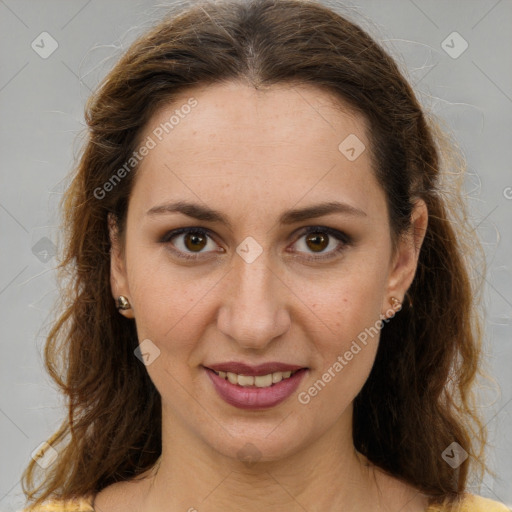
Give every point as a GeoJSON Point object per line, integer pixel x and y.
{"type": "Point", "coordinates": [325, 474]}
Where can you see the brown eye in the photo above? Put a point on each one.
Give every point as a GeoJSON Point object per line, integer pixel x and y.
{"type": "Point", "coordinates": [190, 243]}
{"type": "Point", "coordinates": [324, 241]}
{"type": "Point", "coordinates": [195, 241]}
{"type": "Point", "coordinates": [317, 242]}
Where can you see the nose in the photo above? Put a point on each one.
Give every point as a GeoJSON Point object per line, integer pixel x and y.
{"type": "Point", "coordinates": [253, 311]}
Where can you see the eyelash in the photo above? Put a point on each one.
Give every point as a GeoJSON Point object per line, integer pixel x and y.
{"type": "Point", "coordinates": [343, 238]}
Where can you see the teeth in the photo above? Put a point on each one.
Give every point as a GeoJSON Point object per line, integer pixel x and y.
{"type": "Point", "coordinates": [277, 377]}
{"type": "Point", "coordinates": [261, 381]}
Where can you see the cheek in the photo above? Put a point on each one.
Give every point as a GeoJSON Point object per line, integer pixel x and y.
{"type": "Point", "coordinates": [344, 354]}
{"type": "Point", "coordinates": [162, 292]}
{"type": "Point", "coordinates": [350, 299]}
{"type": "Point", "coordinates": [170, 312]}
{"type": "Point", "coordinates": [349, 308]}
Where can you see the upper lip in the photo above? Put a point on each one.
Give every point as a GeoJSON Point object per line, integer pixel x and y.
{"type": "Point", "coordinates": [254, 370]}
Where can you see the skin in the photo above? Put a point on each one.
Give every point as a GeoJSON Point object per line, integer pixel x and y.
{"type": "Point", "coordinates": [253, 155]}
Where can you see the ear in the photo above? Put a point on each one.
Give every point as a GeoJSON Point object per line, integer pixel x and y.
{"type": "Point", "coordinates": [118, 276]}
{"type": "Point", "coordinates": [405, 261]}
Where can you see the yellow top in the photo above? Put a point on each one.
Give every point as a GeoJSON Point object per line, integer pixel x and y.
{"type": "Point", "coordinates": [76, 505]}
{"type": "Point", "coordinates": [471, 503]}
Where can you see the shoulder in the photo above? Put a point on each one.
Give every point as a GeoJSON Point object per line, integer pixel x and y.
{"type": "Point", "coordinates": [82, 504]}
{"type": "Point", "coordinates": [473, 503]}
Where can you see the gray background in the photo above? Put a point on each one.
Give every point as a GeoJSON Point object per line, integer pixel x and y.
{"type": "Point", "coordinates": [41, 109]}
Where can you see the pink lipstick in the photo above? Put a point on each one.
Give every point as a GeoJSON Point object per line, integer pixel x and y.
{"type": "Point", "coordinates": [263, 386]}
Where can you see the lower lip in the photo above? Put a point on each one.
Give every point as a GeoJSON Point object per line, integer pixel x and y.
{"type": "Point", "coordinates": [255, 398]}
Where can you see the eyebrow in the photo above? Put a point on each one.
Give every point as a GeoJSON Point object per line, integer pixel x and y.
{"type": "Point", "coordinates": [206, 214]}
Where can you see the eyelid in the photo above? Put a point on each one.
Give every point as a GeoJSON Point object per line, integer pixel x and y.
{"type": "Point", "coordinates": [343, 239]}
{"type": "Point", "coordinates": [335, 233]}
{"type": "Point", "coordinates": [186, 230]}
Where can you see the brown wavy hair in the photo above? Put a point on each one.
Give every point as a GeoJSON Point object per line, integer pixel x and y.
{"type": "Point", "coordinates": [419, 396]}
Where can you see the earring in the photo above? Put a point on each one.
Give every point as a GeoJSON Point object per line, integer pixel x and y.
{"type": "Point", "coordinates": [122, 303]}
{"type": "Point", "coordinates": [395, 303]}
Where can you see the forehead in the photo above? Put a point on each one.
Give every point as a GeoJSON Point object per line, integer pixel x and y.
{"type": "Point", "coordinates": [282, 143]}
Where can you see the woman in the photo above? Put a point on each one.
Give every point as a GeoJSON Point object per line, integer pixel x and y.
{"type": "Point", "coordinates": [269, 303]}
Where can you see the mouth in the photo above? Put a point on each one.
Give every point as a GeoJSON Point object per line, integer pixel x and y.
{"type": "Point", "coordinates": [256, 381]}
{"type": "Point", "coordinates": [255, 391]}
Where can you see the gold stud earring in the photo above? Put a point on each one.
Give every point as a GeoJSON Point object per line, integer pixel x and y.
{"type": "Point", "coordinates": [122, 303]}
{"type": "Point", "coordinates": [395, 303]}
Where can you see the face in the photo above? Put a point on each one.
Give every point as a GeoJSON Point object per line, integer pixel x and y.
{"type": "Point", "coordinates": [280, 251]}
